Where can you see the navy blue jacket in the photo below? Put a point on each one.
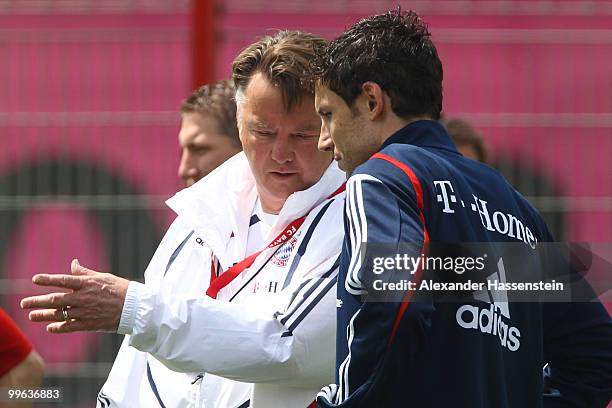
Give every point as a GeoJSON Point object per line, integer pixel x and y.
{"type": "Point", "coordinates": [426, 353]}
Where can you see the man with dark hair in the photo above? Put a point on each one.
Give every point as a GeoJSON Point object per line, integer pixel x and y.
{"type": "Point", "coordinates": [379, 94]}
{"type": "Point", "coordinates": [259, 239]}
{"type": "Point", "coordinates": [209, 133]}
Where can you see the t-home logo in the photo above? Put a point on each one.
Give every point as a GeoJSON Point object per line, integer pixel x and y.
{"type": "Point", "coordinates": [495, 221]}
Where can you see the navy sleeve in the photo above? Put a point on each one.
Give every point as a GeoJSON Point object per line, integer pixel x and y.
{"type": "Point", "coordinates": [366, 327]}
{"type": "Point", "coordinates": [578, 350]}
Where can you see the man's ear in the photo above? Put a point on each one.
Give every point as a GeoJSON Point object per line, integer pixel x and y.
{"type": "Point", "coordinates": [374, 99]}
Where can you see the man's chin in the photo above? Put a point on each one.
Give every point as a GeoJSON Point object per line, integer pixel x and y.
{"type": "Point", "coordinates": [342, 165]}
{"type": "Point", "coordinates": [285, 186]}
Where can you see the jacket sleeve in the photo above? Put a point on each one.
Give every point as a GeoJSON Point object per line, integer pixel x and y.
{"type": "Point", "coordinates": [287, 341]}
{"type": "Point", "coordinates": [372, 321]}
{"type": "Point", "coordinates": [577, 348]}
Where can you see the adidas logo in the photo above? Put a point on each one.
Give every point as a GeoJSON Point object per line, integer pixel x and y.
{"type": "Point", "coordinates": [491, 320]}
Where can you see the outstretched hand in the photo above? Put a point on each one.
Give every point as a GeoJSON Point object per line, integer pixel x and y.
{"type": "Point", "coordinates": [93, 303]}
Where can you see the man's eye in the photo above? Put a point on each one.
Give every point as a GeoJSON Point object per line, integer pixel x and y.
{"type": "Point", "coordinates": [262, 132]}
{"type": "Point", "coordinates": [199, 149]}
{"type": "Point", "coordinates": [307, 136]}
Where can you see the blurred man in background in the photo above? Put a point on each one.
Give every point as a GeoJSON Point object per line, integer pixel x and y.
{"type": "Point", "coordinates": [209, 134]}
{"type": "Point", "coordinates": [20, 366]}
{"type": "Point", "coordinates": [468, 141]}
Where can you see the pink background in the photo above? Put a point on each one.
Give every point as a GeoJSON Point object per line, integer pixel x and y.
{"type": "Point", "coordinates": [104, 87]}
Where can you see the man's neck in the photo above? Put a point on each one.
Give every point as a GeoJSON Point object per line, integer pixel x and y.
{"type": "Point", "coordinates": [395, 123]}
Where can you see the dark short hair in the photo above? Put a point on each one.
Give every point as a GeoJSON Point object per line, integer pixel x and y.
{"type": "Point", "coordinates": [464, 134]}
{"type": "Point", "coordinates": [395, 51]}
{"type": "Point", "coordinates": [215, 99]}
{"type": "Point", "coordinates": [284, 60]}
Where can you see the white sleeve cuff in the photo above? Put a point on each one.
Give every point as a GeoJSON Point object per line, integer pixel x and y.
{"type": "Point", "coordinates": [130, 307]}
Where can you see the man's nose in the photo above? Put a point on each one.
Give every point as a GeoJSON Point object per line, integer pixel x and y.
{"type": "Point", "coordinates": [326, 143]}
{"type": "Point", "coordinates": [282, 149]}
{"type": "Point", "coordinates": [187, 167]}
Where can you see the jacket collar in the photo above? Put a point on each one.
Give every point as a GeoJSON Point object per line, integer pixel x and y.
{"type": "Point", "coordinates": [220, 205]}
{"type": "Point", "coordinates": [423, 133]}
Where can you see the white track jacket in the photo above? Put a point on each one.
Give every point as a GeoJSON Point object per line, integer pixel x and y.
{"type": "Point", "coordinates": [268, 340]}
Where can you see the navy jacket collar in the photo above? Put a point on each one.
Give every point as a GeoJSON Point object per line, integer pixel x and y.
{"type": "Point", "coordinates": [423, 133]}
